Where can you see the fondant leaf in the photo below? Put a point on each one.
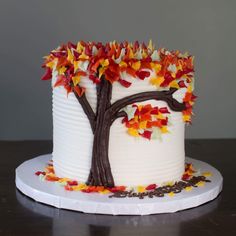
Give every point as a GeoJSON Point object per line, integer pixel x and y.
{"type": "Point", "coordinates": [164, 110]}
{"type": "Point", "coordinates": [136, 65]}
{"type": "Point", "coordinates": [79, 90]}
{"type": "Point", "coordinates": [133, 132]}
{"type": "Point", "coordinates": [76, 80]}
{"type": "Point", "coordinates": [124, 83]}
{"type": "Point", "coordinates": [147, 134]}
{"type": "Point", "coordinates": [47, 75]}
{"type": "Point", "coordinates": [143, 74]}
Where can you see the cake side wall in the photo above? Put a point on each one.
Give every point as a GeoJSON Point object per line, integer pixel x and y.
{"type": "Point", "coordinates": [138, 161]}
{"type": "Point", "coordinates": [72, 137]}
{"type": "Point", "coordinates": [133, 161]}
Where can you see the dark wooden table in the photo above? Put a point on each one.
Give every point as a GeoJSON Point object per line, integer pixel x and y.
{"type": "Point", "coordinates": [19, 215]}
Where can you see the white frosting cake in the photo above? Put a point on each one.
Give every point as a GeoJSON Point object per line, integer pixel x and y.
{"type": "Point", "coordinates": [119, 113]}
{"type": "Point", "coordinates": [134, 161]}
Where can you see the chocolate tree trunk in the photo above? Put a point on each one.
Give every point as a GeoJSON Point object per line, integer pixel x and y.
{"type": "Point", "coordinates": [100, 173]}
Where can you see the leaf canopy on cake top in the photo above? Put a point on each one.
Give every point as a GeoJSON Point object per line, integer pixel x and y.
{"type": "Point", "coordinates": [97, 61]}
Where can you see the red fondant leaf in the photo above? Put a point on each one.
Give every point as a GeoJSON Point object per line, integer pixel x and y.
{"type": "Point", "coordinates": [88, 51]}
{"type": "Point", "coordinates": [145, 117]}
{"type": "Point", "coordinates": [187, 97]}
{"type": "Point", "coordinates": [142, 74]}
{"type": "Point", "coordinates": [47, 75]}
{"type": "Point", "coordinates": [180, 73]}
{"type": "Point", "coordinates": [194, 97]}
{"type": "Point", "coordinates": [79, 90]}
{"type": "Point", "coordinates": [164, 110]}
{"type": "Point", "coordinates": [130, 71]}
{"type": "Point", "coordinates": [59, 54]}
{"type": "Point", "coordinates": [124, 120]}
{"type": "Point", "coordinates": [72, 183]}
{"type": "Point", "coordinates": [124, 83]}
{"type": "Point", "coordinates": [156, 123]}
{"type": "Point", "coordinates": [164, 122]}
{"type": "Point", "coordinates": [71, 45]}
{"type": "Point", "coordinates": [151, 187]}
{"type": "Point", "coordinates": [52, 178]}
{"type": "Point", "coordinates": [168, 80]}
{"type": "Point", "coordinates": [68, 188]}
{"type": "Point", "coordinates": [68, 88]}
{"type": "Point", "coordinates": [111, 76]}
{"type": "Point", "coordinates": [154, 111]}
{"type": "Point", "coordinates": [136, 45]}
{"type": "Point", "coordinates": [40, 173]}
{"type": "Point", "coordinates": [185, 177]}
{"type": "Point", "coordinates": [146, 134]}
{"type": "Point", "coordinates": [62, 62]}
{"type": "Point", "coordinates": [76, 54]}
{"type": "Point", "coordinates": [94, 78]}
{"type": "Point", "coordinates": [81, 73]}
{"type": "Point", "coordinates": [146, 64]}
{"type": "Point", "coordinates": [117, 189]}
{"type": "Point", "coordinates": [182, 84]}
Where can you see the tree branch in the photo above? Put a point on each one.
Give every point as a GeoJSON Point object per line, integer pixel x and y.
{"type": "Point", "coordinates": [118, 115]}
{"type": "Point", "coordinates": [140, 97]}
{"type": "Point", "coordinates": [87, 109]}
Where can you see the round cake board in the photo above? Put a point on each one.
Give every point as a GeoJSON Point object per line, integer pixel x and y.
{"type": "Point", "coordinates": [55, 195]}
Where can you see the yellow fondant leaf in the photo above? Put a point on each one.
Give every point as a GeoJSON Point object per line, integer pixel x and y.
{"type": "Point", "coordinates": [62, 70]}
{"type": "Point", "coordinates": [144, 54]}
{"type": "Point", "coordinates": [186, 118]}
{"type": "Point", "coordinates": [79, 48]}
{"type": "Point", "coordinates": [188, 188]}
{"type": "Point", "coordinates": [179, 67]}
{"type": "Point", "coordinates": [140, 189]}
{"type": "Point", "coordinates": [171, 194]}
{"type": "Point", "coordinates": [83, 56]}
{"type": "Point", "coordinates": [76, 65]}
{"type": "Point", "coordinates": [105, 63]}
{"type": "Point", "coordinates": [143, 124]}
{"type": "Point", "coordinates": [70, 57]}
{"type": "Point", "coordinates": [150, 45]}
{"type": "Point", "coordinates": [79, 187]}
{"type": "Point", "coordinates": [200, 183]}
{"type": "Point", "coordinates": [76, 80]}
{"type": "Point", "coordinates": [123, 64]}
{"type": "Point", "coordinates": [157, 80]}
{"type": "Point", "coordinates": [164, 130]}
{"type": "Point", "coordinates": [105, 191]}
{"type": "Point", "coordinates": [131, 54]}
{"type": "Point", "coordinates": [63, 180]}
{"type": "Point", "coordinates": [133, 132]}
{"type": "Point", "coordinates": [136, 65]}
{"type": "Point", "coordinates": [156, 67]}
{"type": "Point", "coordinates": [174, 84]}
{"type": "Point", "coordinates": [189, 89]}
{"type": "Point", "coordinates": [173, 74]}
{"type": "Point", "coordinates": [207, 174]}
{"type": "Point", "coordinates": [160, 116]}
{"type": "Point", "coordinates": [101, 71]}
{"type": "Point", "coordinates": [51, 64]}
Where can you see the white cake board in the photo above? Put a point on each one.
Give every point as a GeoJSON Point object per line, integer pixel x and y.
{"type": "Point", "coordinates": [55, 195]}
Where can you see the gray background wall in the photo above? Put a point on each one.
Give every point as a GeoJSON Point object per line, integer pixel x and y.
{"type": "Point", "coordinates": [30, 29]}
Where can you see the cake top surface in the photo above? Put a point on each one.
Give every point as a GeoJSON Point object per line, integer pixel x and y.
{"type": "Point", "coordinates": [96, 61]}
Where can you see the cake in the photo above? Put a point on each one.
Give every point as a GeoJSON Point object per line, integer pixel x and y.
{"type": "Point", "coordinates": [119, 115]}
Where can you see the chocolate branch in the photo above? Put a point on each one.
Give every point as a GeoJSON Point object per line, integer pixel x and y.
{"type": "Point", "coordinates": [166, 96]}
{"type": "Point", "coordinates": [100, 172]}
